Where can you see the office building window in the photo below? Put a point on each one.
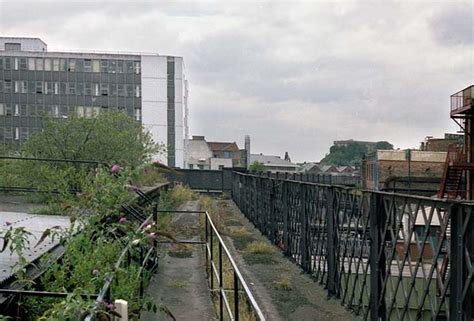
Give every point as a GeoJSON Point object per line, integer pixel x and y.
{"type": "Point", "coordinates": [71, 65]}
{"type": "Point", "coordinates": [137, 67]}
{"type": "Point", "coordinates": [23, 110]}
{"type": "Point", "coordinates": [39, 87]}
{"type": "Point", "coordinates": [23, 132]}
{"type": "Point", "coordinates": [2, 109]}
{"type": "Point", "coordinates": [88, 89]}
{"type": "Point", "coordinates": [16, 64]}
{"type": "Point", "coordinates": [104, 66]}
{"type": "Point", "coordinates": [39, 63]}
{"type": "Point", "coordinates": [1, 63]}
{"type": "Point", "coordinates": [129, 66]}
{"type": "Point", "coordinates": [7, 86]}
{"type": "Point", "coordinates": [23, 64]}
{"type": "Point", "coordinates": [48, 110]}
{"type": "Point", "coordinates": [87, 65]}
{"type": "Point", "coordinates": [48, 87]}
{"type": "Point", "coordinates": [17, 133]}
{"type": "Point", "coordinates": [121, 90]}
{"type": "Point", "coordinates": [104, 89]}
{"type": "Point", "coordinates": [15, 46]}
{"type": "Point", "coordinates": [31, 63]}
{"type": "Point", "coordinates": [79, 65]}
{"type": "Point", "coordinates": [55, 64]}
{"type": "Point", "coordinates": [31, 110]}
{"type": "Point", "coordinates": [47, 64]}
{"type": "Point", "coordinates": [138, 113]}
{"type": "Point", "coordinates": [95, 65]}
{"type": "Point", "coordinates": [56, 88]}
{"type": "Point", "coordinates": [8, 63]}
{"type": "Point", "coordinates": [113, 89]}
{"type": "Point", "coordinates": [62, 64]}
{"type": "Point", "coordinates": [8, 133]}
{"type": "Point", "coordinates": [55, 111]}
{"type": "Point", "coordinates": [71, 90]}
{"type": "Point", "coordinates": [129, 90]}
{"type": "Point", "coordinates": [137, 91]}
{"type": "Point", "coordinates": [16, 87]}
{"type": "Point", "coordinates": [63, 112]}
{"type": "Point", "coordinates": [23, 87]}
{"type": "Point", "coordinates": [80, 88]}
{"type": "Point", "coordinates": [62, 88]}
{"type": "Point", "coordinates": [112, 66]}
{"type": "Point", "coordinates": [119, 66]}
{"type": "Point", "coordinates": [96, 90]}
{"type": "Point", "coordinates": [17, 110]}
{"type": "Point", "coordinates": [31, 87]}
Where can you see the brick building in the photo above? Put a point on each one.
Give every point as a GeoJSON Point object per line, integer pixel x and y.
{"type": "Point", "coordinates": [417, 172]}
{"type": "Point", "coordinates": [433, 144]}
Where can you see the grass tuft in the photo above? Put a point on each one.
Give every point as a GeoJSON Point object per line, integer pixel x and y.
{"type": "Point", "coordinates": [259, 247]}
{"type": "Point", "coordinates": [282, 285]}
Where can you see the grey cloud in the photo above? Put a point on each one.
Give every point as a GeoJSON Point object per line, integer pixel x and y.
{"type": "Point", "coordinates": [295, 76]}
{"type": "Point", "coordinates": [455, 25]}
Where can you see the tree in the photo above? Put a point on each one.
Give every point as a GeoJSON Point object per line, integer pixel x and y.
{"type": "Point", "coordinates": [257, 167]}
{"type": "Point", "coordinates": [108, 137]}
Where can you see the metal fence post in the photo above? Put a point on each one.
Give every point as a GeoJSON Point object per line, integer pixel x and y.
{"type": "Point", "coordinates": [155, 213]}
{"type": "Point", "coordinates": [304, 229]}
{"type": "Point", "coordinates": [285, 213]}
{"type": "Point", "coordinates": [460, 305]}
{"type": "Point", "coordinates": [332, 280]}
{"type": "Point", "coordinates": [377, 257]}
{"type": "Point", "coordinates": [221, 284]}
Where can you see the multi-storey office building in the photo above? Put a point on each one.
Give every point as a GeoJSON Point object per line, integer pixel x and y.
{"type": "Point", "coordinates": [149, 87]}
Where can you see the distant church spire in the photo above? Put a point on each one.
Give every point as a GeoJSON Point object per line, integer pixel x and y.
{"type": "Point", "coordinates": [287, 157]}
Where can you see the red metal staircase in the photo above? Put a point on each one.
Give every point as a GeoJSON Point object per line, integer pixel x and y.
{"type": "Point", "coordinates": [451, 186]}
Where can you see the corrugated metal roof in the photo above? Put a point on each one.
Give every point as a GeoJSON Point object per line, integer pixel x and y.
{"type": "Point", "coordinates": [35, 224]}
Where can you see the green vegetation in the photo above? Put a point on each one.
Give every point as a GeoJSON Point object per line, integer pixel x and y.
{"type": "Point", "coordinates": [257, 167]}
{"type": "Point", "coordinates": [352, 153]}
{"type": "Point", "coordinates": [109, 137]}
{"type": "Point", "coordinates": [99, 231]}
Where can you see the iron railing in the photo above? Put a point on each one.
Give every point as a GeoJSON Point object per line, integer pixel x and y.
{"type": "Point", "coordinates": [385, 256]}
{"type": "Point", "coordinates": [462, 100]}
{"type": "Point", "coordinates": [225, 280]}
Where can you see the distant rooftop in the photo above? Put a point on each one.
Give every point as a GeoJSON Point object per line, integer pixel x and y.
{"type": "Point", "coordinates": [270, 160]}
{"type": "Point", "coordinates": [22, 44]}
{"type": "Point", "coordinates": [38, 45]}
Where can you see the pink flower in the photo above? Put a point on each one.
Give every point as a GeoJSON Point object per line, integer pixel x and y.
{"type": "Point", "coordinates": [115, 169]}
{"type": "Point", "coordinates": [123, 220]}
{"type": "Point", "coordinates": [133, 188]}
{"type": "Point", "coordinates": [111, 306]}
{"type": "Point", "coordinates": [151, 236]}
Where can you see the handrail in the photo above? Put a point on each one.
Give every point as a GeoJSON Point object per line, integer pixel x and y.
{"type": "Point", "coordinates": [219, 277]}
{"type": "Point", "coordinates": [53, 160]}
{"type": "Point", "coordinates": [341, 187]}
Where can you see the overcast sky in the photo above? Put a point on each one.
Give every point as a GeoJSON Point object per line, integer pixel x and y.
{"type": "Point", "coordinates": [293, 75]}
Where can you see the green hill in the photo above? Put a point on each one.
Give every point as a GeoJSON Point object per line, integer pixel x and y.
{"type": "Point", "coordinates": [352, 152]}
